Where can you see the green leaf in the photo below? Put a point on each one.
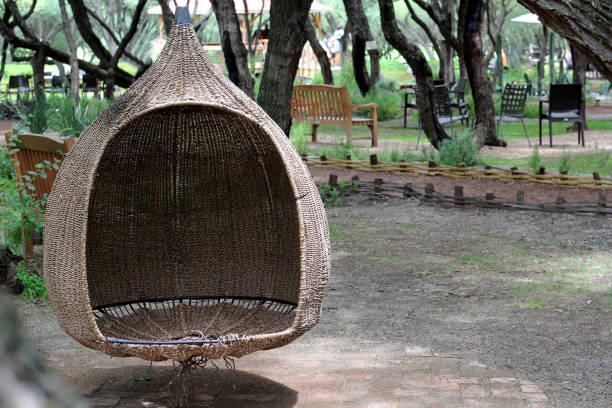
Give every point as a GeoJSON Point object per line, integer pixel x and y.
{"type": "Point", "coordinates": [26, 177]}
{"type": "Point", "coordinates": [32, 172]}
{"type": "Point", "coordinates": [39, 165]}
{"type": "Point", "coordinates": [55, 167]}
{"type": "Point", "coordinates": [31, 186]}
{"type": "Point", "coordinates": [13, 151]}
{"type": "Point", "coordinates": [47, 162]}
{"type": "Point", "coordinates": [43, 174]}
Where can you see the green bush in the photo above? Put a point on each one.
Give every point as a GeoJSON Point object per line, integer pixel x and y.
{"type": "Point", "coordinates": [535, 160]}
{"type": "Point", "coordinates": [388, 102]}
{"type": "Point", "coordinates": [33, 285]}
{"type": "Point", "coordinates": [330, 195]}
{"type": "Point", "coordinates": [71, 118]}
{"type": "Point", "coordinates": [299, 136]}
{"type": "Point", "coordinates": [34, 115]}
{"type": "Point", "coordinates": [461, 149]}
{"type": "Point", "coordinates": [565, 163]}
{"type": "Point", "coordinates": [21, 211]}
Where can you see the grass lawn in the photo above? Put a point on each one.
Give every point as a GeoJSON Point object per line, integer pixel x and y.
{"type": "Point", "coordinates": [581, 163]}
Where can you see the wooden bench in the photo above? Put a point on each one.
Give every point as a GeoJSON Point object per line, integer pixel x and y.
{"type": "Point", "coordinates": [35, 149]}
{"type": "Point", "coordinates": [326, 104]}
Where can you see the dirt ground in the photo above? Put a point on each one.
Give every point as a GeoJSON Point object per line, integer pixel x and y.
{"type": "Point", "coordinates": [529, 292]}
{"type": "Point", "coordinates": [523, 292]}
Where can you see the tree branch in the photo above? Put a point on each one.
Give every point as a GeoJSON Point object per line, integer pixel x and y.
{"type": "Point", "coordinates": [130, 34]}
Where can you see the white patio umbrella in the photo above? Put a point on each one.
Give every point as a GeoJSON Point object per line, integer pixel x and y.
{"type": "Point", "coordinates": [528, 18]}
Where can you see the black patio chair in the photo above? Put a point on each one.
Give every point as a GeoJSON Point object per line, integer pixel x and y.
{"type": "Point", "coordinates": [57, 85]}
{"type": "Point", "coordinates": [564, 105]}
{"type": "Point", "coordinates": [512, 107]}
{"type": "Point", "coordinates": [444, 109]}
{"type": "Point", "coordinates": [458, 90]}
{"type": "Point", "coordinates": [91, 84]}
{"type": "Point", "coordinates": [17, 85]}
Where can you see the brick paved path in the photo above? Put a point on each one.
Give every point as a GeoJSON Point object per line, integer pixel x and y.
{"type": "Point", "coordinates": [310, 372]}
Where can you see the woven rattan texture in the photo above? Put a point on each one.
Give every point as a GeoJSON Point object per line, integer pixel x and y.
{"type": "Point", "coordinates": [184, 187]}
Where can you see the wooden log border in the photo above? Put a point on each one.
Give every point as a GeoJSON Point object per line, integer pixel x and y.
{"type": "Point", "coordinates": [427, 193]}
{"type": "Point", "coordinates": [488, 172]}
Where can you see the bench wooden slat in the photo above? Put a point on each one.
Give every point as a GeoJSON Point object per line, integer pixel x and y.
{"type": "Point", "coordinates": [327, 104]}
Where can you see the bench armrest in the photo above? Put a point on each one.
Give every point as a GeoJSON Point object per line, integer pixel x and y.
{"type": "Point", "coordinates": [366, 106]}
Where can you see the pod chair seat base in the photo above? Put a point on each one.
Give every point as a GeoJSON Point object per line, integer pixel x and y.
{"type": "Point", "coordinates": [193, 320]}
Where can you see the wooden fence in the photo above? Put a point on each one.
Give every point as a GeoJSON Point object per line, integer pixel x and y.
{"type": "Point", "coordinates": [488, 172]}
{"type": "Point", "coordinates": [428, 193]}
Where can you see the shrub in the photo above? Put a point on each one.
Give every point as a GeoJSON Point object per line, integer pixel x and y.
{"type": "Point", "coordinates": [71, 118]}
{"type": "Point", "coordinates": [330, 195]}
{"type": "Point", "coordinates": [299, 137]}
{"type": "Point", "coordinates": [535, 160]}
{"type": "Point", "coordinates": [33, 285]}
{"type": "Point", "coordinates": [461, 149]}
{"type": "Point", "coordinates": [33, 114]}
{"type": "Point", "coordinates": [565, 163]}
{"type": "Point", "coordinates": [21, 211]}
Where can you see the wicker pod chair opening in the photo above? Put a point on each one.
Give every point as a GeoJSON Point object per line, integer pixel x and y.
{"type": "Point", "coordinates": [183, 223]}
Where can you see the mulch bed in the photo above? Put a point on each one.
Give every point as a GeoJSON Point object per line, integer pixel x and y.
{"type": "Point", "coordinates": [534, 192]}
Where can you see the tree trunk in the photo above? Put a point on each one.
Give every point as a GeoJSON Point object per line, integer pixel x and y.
{"type": "Point", "coordinates": [109, 83]}
{"type": "Point", "coordinates": [579, 77]}
{"type": "Point", "coordinates": [543, 53]}
{"type": "Point", "coordinates": [72, 47]}
{"type": "Point", "coordinates": [472, 12]}
{"type": "Point", "coordinates": [346, 37]}
{"type": "Point", "coordinates": [167, 15]}
{"type": "Point", "coordinates": [286, 40]}
{"type": "Point", "coordinates": [5, 45]}
{"type": "Point", "coordinates": [361, 34]}
{"type": "Point", "coordinates": [447, 67]}
{"type": "Point", "coordinates": [38, 70]}
{"type": "Point", "coordinates": [421, 70]}
{"type": "Point", "coordinates": [585, 24]}
{"type": "Point", "coordinates": [321, 54]}
{"type": "Point", "coordinates": [234, 51]}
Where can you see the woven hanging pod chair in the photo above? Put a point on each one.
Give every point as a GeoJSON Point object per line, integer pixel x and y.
{"type": "Point", "coordinates": [183, 223]}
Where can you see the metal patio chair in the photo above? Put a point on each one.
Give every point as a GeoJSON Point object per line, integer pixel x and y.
{"type": "Point", "coordinates": [513, 107]}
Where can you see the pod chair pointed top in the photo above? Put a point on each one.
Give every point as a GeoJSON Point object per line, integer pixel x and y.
{"type": "Point", "coordinates": [183, 223]}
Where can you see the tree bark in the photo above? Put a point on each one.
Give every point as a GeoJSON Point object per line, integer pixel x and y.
{"type": "Point", "coordinates": [234, 51]}
{"type": "Point", "coordinates": [543, 54]}
{"type": "Point", "coordinates": [5, 45]}
{"type": "Point", "coordinates": [579, 77]}
{"type": "Point", "coordinates": [321, 54]}
{"type": "Point", "coordinates": [38, 70]}
{"type": "Point", "coordinates": [421, 70]}
{"type": "Point", "coordinates": [72, 47]}
{"type": "Point", "coordinates": [361, 34]}
{"type": "Point", "coordinates": [447, 66]}
{"type": "Point", "coordinates": [167, 16]}
{"type": "Point", "coordinates": [286, 40]}
{"type": "Point", "coordinates": [585, 24]}
{"type": "Point", "coordinates": [472, 13]}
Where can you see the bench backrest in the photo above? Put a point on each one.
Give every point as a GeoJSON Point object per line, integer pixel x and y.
{"type": "Point", "coordinates": [320, 102]}
{"type": "Point", "coordinates": [34, 149]}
